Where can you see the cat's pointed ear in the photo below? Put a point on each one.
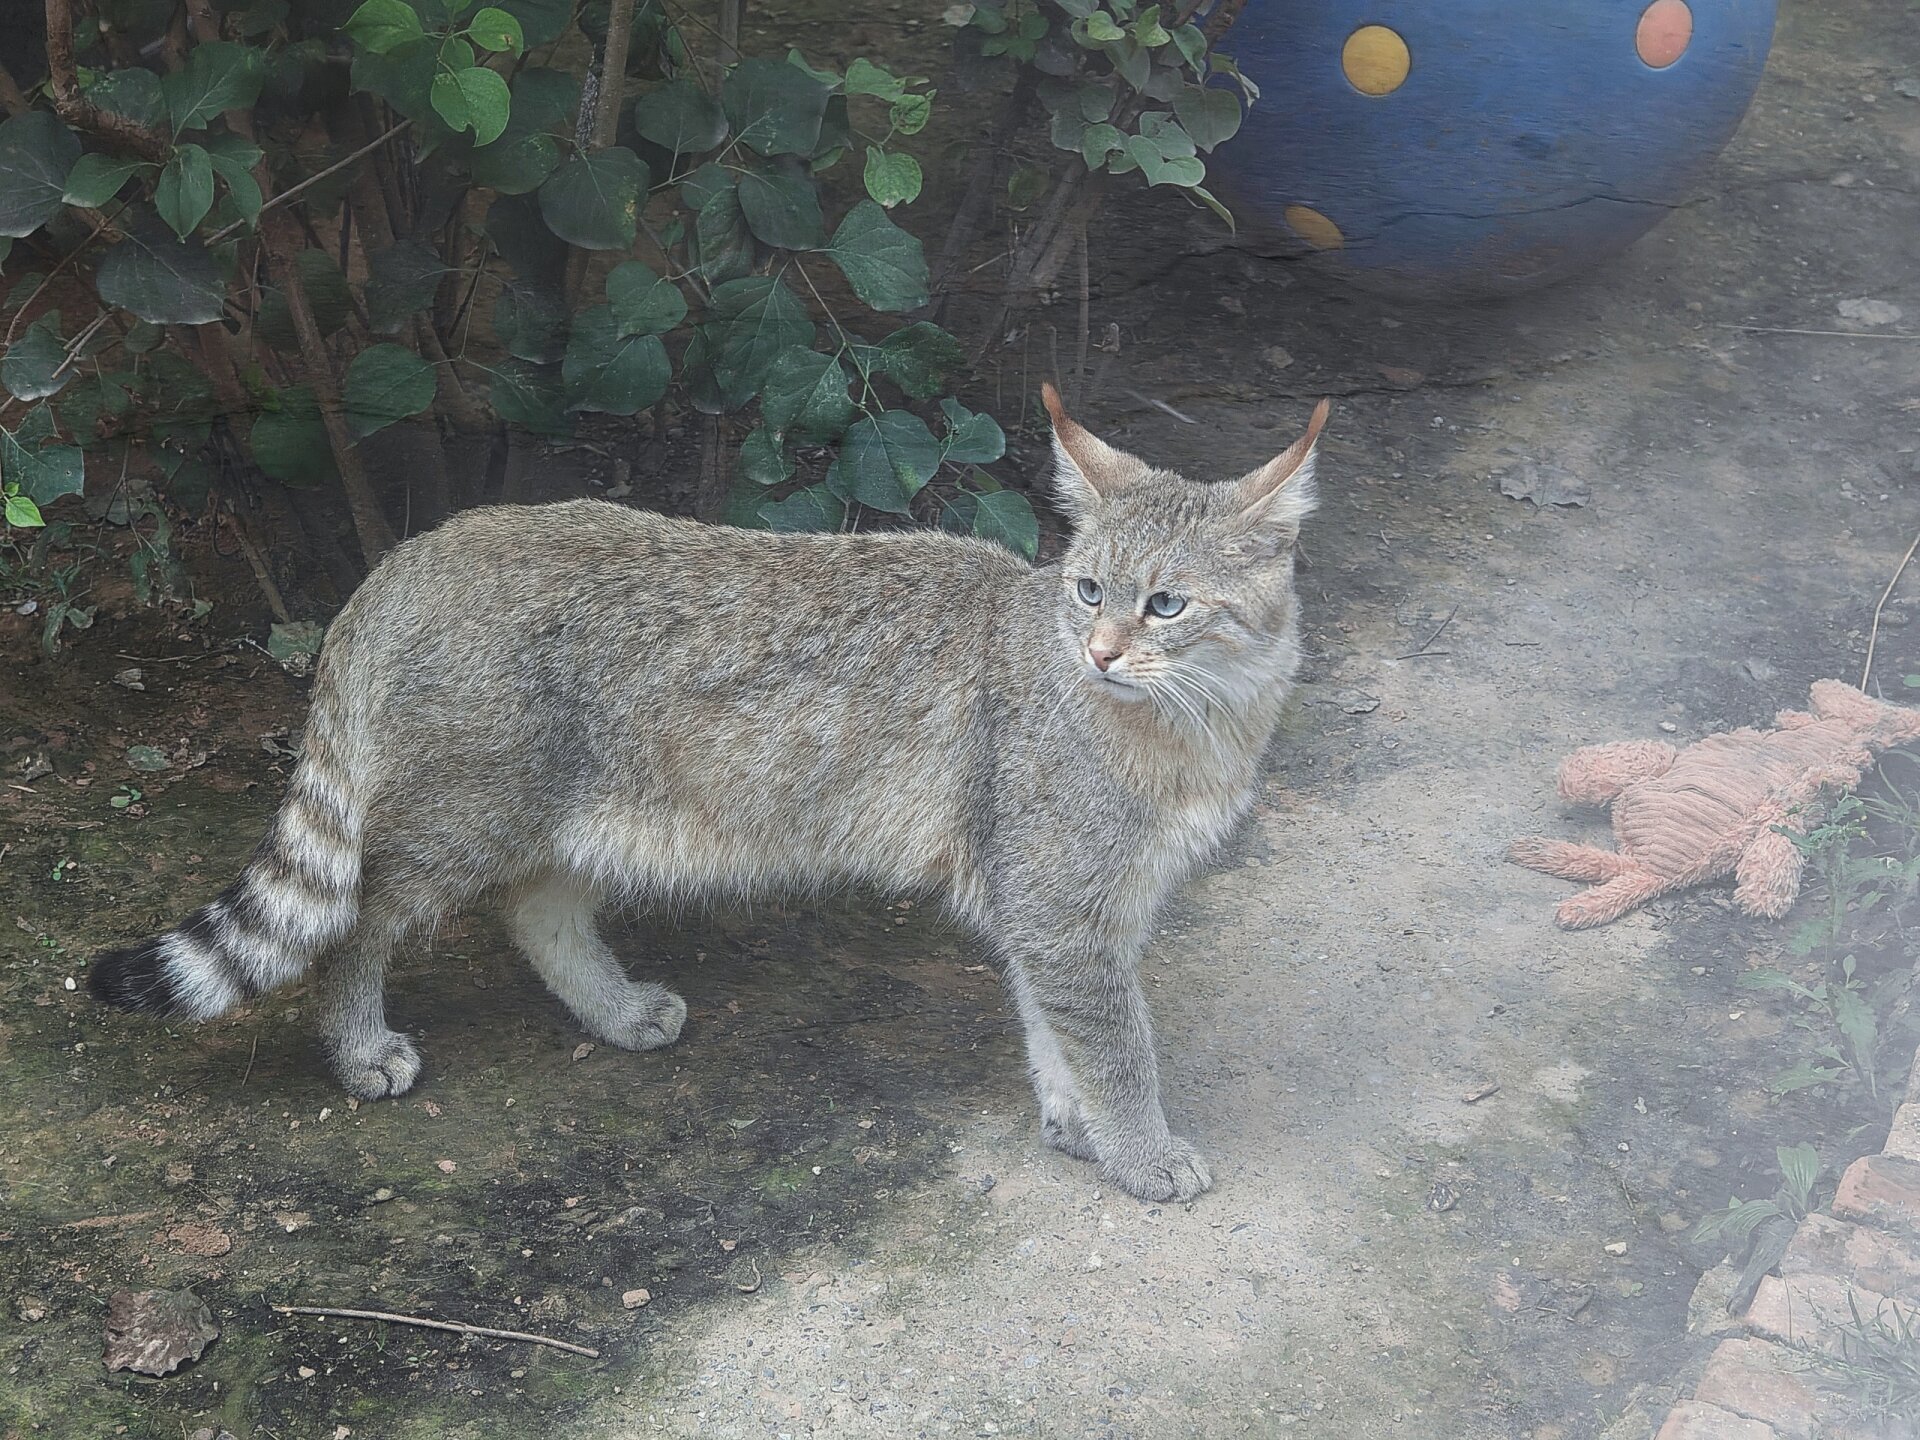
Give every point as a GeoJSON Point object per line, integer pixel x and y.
{"type": "Point", "coordinates": [1278, 496]}
{"type": "Point", "coordinates": [1086, 470]}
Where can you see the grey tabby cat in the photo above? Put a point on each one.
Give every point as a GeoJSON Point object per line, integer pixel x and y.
{"type": "Point", "coordinates": [581, 704]}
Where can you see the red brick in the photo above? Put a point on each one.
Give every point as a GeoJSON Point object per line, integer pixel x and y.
{"type": "Point", "coordinates": [1762, 1381]}
{"type": "Point", "coordinates": [1879, 1261]}
{"type": "Point", "coordinates": [1691, 1420]}
{"type": "Point", "coordinates": [1881, 1190]}
{"type": "Point", "coordinates": [1814, 1312]}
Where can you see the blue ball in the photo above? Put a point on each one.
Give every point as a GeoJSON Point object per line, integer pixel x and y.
{"type": "Point", "coordinates": [1504, 147]}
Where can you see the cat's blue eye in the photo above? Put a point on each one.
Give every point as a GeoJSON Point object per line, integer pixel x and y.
{"type": "Point", "coordinates": [1165, 606]}
{"type": "Point", "coordinates": [1089, 592]}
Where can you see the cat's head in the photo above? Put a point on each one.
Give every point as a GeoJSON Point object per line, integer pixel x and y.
{"type": "Point", "coordinates": [1175, 590]}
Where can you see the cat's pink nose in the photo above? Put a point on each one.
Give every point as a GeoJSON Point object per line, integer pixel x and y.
{"type": "Point", "coordinates": [1102, 655]}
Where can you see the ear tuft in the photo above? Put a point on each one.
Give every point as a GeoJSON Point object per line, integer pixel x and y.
{"type": "Point", "coordinates": [1086, 470]}
{"type": "Point", "coordinates": [1279, 496]}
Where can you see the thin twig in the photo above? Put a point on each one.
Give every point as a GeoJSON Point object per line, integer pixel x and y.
{"type": "Point", "coordinates": [425, 1324]}
{"type": "Point", "coordinates": [293, 190]}
{"type": "Point", "coordinates": [1836, 334]}
{"type": "Point", "coordinates": [1874, 634]}
{"type": "Point", "coordinates": [1421, 649]}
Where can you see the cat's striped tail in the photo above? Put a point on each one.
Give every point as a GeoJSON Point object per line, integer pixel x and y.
{"type": "Point", "coordinates": [299, 893]}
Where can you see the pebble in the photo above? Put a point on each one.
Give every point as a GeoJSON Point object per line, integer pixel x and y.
{"type": "Point", "coordinates": [1615, 1247]}
{"type": "Point", "coordinates": [634, 1299]}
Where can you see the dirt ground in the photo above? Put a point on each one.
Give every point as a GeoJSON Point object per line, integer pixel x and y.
{"type": "Point", "coordinates": [832, 1189]}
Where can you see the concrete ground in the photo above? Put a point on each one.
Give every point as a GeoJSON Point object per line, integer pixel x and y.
{"type": "Point", "coordinates": [1456, 1150]}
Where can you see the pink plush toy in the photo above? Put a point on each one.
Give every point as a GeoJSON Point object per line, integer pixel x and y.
{"type": "Point", "coordinates": [1696, 814]}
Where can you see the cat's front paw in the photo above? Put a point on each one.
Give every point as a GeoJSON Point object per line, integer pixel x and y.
{"type": "Point", "coordinates": [652, 1016]}
{"type": "Point", "coordinates": [1176, 1172]}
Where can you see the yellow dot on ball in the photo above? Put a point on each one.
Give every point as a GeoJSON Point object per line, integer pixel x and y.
{"type": "Point", "coordinates": [1375, 60]}
{"type": "Point", "coordinates": [1314, 228]}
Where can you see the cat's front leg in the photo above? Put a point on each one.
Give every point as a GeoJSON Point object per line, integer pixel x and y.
{"type": "Point", "coordinates": [1100, 1076]}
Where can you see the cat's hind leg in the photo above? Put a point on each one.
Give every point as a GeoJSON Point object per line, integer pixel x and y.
{"type": "Point", "coordinates": [553, 922]}
{"type": "Point", "coordinates": [372, 1061]}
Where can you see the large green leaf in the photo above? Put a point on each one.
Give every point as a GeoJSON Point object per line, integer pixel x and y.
{"type": "Point", "coordinates": [526, 153]}
{"type": "Point", "coordinates": [185, 192]}
{"type": "Point", "coordinates": [218, 75]}
{"type": "Point", "coordinates": [972, 439]}
{"type": "Point", "coordinates": [805, 395]}
{"type": "Point", "coordinates": [1005, 516]}
{"type": "Point", "coordinates": [644, 303]}
{"type": "Point", "coordinates": [782, 209]}
{"type": "Point", "coordinates": [681, 117]}
{"type": "Point", "coordinates": [885, 460]}
{"type": "Point", "coordinates": [814, 508]}
{"type": "Point", "coordinates": [95, 179]}
{"type": "Point", "coordinates": [891, 178]}
{"type": "Point", "coordinates": [160, 278]}
{"type": "Point", "coordinates": [917, 357]}
{"type": "Point", "coordinates": [386, 383]}
{"type": "Point", "coordinates": [402, 279]}
{"type": "Point", "coordinates": [722, 244]}
{"type": "Point", "coordinates": [544, 98]}
{"type": "Point", "coordinates": [1160, 170]}
{"type": "Point", "coordinates": [529, 395]}
{"type": "Point", "coordinates": [1209, 116]}
{"type": "Point", "coordinates": [613, 373]}
{"type": "Point", "coordinates": [494, 29]}
{"type": "Point", "coordinates": [774, 107]}
{"type": "Point", "coordinates": [593, 201]}
{"type": "Point", "coordinates": [709, 396]}
{"type": "Point", "coordinates": [474, 99]}
{"type": "Point", "coordinates": [289, 440]}
{"type": "Point", "coordinates": [37, 153]}
{"type": "Point", "coordinates": [43, 473]}
{"type": "Point", "coordinates": [404, 77]}
{"type": "Point", "coordinates": [762, 460]}
{"type": "Point", "coordinates": [519, 161]}
{"type": "Point", "coordinates": [884, 264]}
{"type": "Point", "coordinates": [233, 159]}
{"type": "Point", "coordinates": [749, 323]}
{"type": "Point", "coordinates": [380, 25]}
{"type": "Point", "coordinates": [541, 21]}
{"type": "Point", "coordinates": [32, 367]}
{"type": "Point", "coordinates": [866, 78]}
{"type": "Point", "coordinates": [134, 93]}
{"type": "Point", "coordinates": [531, 322]}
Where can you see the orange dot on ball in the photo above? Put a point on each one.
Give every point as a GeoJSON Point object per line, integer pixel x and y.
{"type": "Point", "coordinates": [1666, 26]}
{"type": "Point", "coordinates": [1375, 60]}
{"type": "Point", "coordinates": [1314, 228]}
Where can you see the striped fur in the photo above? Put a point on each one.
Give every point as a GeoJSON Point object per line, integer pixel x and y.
{"type": "Point", "coordinates": [298, 894]}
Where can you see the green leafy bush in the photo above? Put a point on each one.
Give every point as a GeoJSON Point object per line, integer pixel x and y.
{"type": "Point", "coordinates": [295, 223]}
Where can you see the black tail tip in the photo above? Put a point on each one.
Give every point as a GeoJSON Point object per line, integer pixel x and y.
{"type": "Point", "coordinates": [132, 979]}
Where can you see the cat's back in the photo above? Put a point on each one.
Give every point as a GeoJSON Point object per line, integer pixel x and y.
{"type": "Point", "coordinates": [589, 555]}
